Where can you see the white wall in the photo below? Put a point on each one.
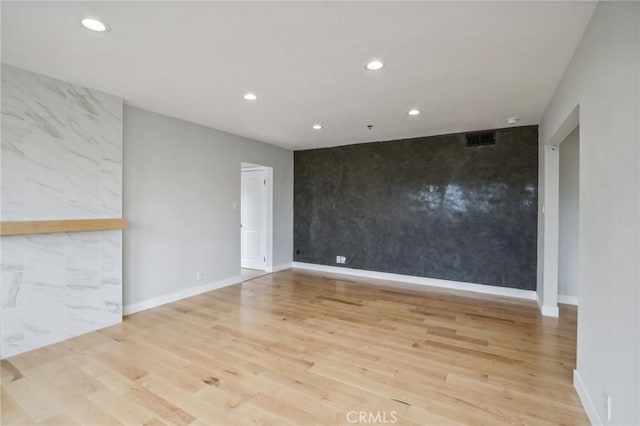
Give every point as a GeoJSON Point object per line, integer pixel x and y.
{"type": "Point", "coordinates": [603, 79]}
{"type": "Point", "coordinates": [61, 159]}
{"type": "Point", "coordinates": [568, 214]}
{"type": "Point", "coordinates": [181, 183]}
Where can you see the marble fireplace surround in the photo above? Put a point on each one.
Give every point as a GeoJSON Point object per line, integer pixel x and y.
{"type": "Point", "coordinates": [61, 161]}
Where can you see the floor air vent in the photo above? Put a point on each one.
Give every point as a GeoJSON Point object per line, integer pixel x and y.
{"type": "Point", "coordinates": [480, 139]}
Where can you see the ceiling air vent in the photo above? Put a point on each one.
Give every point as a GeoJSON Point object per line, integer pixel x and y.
{"type": "Point", "coordinates": [480, 139]}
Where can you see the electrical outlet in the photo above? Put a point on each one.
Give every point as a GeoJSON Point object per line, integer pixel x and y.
{"type": "Point", "coordinates": [199, 276]}
{"type": "Point", "coordinates": [607, 406]}
{"type": "Point", "coordinates": [341, 259]}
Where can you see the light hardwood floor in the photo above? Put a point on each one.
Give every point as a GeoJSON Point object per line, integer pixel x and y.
{"type": "Point", "coordinates": [305, 349]}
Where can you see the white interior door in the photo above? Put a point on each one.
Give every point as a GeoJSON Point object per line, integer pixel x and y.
{"type": "Point", "coordinates": [253, 217]}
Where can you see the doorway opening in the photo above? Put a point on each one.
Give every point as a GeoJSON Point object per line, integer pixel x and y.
{"type": "Point", "coordinates": [550, 255]}
{"type": "Point", "coordinates": [568, 222]}
{"type": "Point", "coordinates": [256, 220]}
{"type": "Point", "coordinates": [568, 218]}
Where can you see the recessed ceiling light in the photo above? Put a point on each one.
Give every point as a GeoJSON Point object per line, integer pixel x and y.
{"type": "Point", "coordinates": [94, 25]}
{"type": "Point", "coordinates": [375, 65]}
{"type": "Point", "coordinates": [512, 120]}
{"type": "Point", "coordinates": [316, 126]}
{"type": "Point", "coordinates": [414, 111]}
{"type": "Point", "coordinates": [250, 97]}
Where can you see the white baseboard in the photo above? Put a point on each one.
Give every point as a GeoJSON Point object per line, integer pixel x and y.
{"type": "Point", "coordinates": [547, 310]}
{"type": "Point", "coordinates": [433, 282]}
{"type": "Point", "coordinates": [281, 267]}
{"type": "Point", "coordinates": [550, 311]}
{"type": "Point", "coordinates": [178, 295]}
{"type": "Point", "coordinates": [586, 400]}
{"type": "Point", "coordinates": [567, 300]}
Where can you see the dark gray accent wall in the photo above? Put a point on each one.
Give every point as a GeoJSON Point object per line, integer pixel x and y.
{"type": "Point", "coordinates": [427, 207]}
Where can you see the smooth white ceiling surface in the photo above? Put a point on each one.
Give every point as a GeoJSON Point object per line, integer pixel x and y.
{"type": "Point", "coordinates": [467, 66]}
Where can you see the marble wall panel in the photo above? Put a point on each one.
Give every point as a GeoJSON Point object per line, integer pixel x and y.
{"type": "Point", "coordinates": [61, 158]}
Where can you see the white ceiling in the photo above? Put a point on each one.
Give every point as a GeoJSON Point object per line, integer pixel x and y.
{"type": "Point", "coordinates": [466, 65]}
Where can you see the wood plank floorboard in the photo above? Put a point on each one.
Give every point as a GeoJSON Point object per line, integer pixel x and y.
{"type": "Point", "coordinates": [305, 348]}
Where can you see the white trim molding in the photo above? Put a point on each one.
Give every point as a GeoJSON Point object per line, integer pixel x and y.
{"type": "Point", "coordinates": [433, 282]}
{"type": "Point", "coordinates": [568, 300]}
{"type": "Point", "coordinates": [280, 267]}
{"type": "Point", "coordinates": [179, 295]}
{"type": "Point", "coordinates": [548, 310]}
{"type": "Point", "coordinates": [586, 400]}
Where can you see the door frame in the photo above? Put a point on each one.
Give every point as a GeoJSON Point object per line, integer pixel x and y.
{"type": "Point", "coordinates": [248, 166]}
